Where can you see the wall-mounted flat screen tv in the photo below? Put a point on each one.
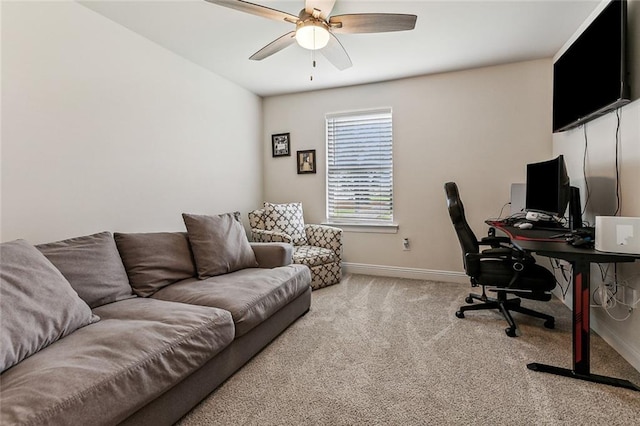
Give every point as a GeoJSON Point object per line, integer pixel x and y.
{"type": "Point", "coordinates": [590, 78]}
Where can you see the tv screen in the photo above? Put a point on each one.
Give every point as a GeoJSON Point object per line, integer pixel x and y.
{"type": "Point", "coordinates": [590, 77]}
{"type": "Point", "coordinates": [548, 187]}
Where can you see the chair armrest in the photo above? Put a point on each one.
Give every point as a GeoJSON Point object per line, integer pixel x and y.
{"type": "Point", "coordinates": [501, 251]}
{"type": "Point", "coordinates": [472, 260]}
{"type": "Point", "coordinates": [495, 241]}
{"type": "Point", "coordinates": [262, 236]}
{"type": "Point", "coordinates": [325, 236]}
{"type": "Point", "coordinates": [272, 255]}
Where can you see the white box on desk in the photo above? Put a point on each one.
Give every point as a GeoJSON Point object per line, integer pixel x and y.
{"type": "Point", "coordinates": [617, 234]}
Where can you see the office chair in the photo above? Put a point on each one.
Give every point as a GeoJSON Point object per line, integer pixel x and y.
{"type": "Point", "coordinates": [501, 269]}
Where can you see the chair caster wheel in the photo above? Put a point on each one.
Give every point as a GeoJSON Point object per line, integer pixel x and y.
{"type": "Point", "coordinates": [468, 299]}
{"type": "Point", "coordinates": [511, 331]}
{"type": "Point", "coordinates": [459, 314]}
{"type": "Point", "coordinates": [550, 324]}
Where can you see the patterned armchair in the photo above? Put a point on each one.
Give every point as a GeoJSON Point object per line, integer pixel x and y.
{"type": "Point", "coordinates": [317, 246]}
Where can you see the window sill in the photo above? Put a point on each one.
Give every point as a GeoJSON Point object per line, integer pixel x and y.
{"type": "Point", "coordinates": [374, 228]}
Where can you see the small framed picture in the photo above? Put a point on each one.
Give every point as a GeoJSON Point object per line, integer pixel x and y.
{"type": "Point", "coordinates": [306, 161]}
{"type": "Point", "coordinates": [280, 145]}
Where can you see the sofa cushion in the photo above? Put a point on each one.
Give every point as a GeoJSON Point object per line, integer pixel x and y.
{"type": "Point", "coordinates": [251, 295]}
{"type": "Point", "coordinates": [38, 304]}
{"type": "Point", "coordinates": [286, 218]}
{"type": "Point", "coordinates": [155, 260]}
{"type": "Point", "coordinates": [219, 244]}
{"type": "Point", "coordinates": [104, 372]}
{"type": "Point", "coordinates": [93, 267]}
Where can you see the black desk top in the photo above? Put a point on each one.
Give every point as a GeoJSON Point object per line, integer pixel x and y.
{"type": "Point", "coordinates": [550, 243]}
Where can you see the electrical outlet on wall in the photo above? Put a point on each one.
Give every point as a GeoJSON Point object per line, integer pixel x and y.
{"type": "Point", "coordinates": [405, 244]}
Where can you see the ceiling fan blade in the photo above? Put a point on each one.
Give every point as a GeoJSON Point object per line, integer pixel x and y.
{"type": "Point", "coordinates": [371, 23]}
{"type": "Point", "coordinates": [324, 6]}
{"type": "Point", "coordinates": [275, 46]}
{"type": "Point", "coordinates": [335, 53]}
{"type": "Point", "coordinates": [256, 9]}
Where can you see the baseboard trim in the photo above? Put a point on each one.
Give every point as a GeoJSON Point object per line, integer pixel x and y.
{"type": "Point", "coordinates": [627, 352]}
{"type": "Point", "coordinates": [403, 272]}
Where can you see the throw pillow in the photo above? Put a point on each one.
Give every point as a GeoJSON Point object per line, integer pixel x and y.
{"type": "Point", "coordinates": [38, 304]}
{"type": "Point", "coordinates": [286, 218]}
{"type": "Point", "coordinates": [93, 267]}
{"type": "Point", "coordinates": [219, 244]}
{"type": "Point", "coordinates": [155, 260]}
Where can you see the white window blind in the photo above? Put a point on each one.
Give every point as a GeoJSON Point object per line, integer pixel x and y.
{"type": "Point", "coordinates": [360, 167]}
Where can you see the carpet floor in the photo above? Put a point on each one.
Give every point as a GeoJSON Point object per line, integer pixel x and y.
{"type": "Point", "coordinates": [387, 351]}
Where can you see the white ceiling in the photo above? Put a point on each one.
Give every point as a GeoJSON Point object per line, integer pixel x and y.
{"type": "Point", "coordinates": [449, 35]}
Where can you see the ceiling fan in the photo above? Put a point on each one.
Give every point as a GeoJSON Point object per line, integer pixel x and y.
{"type": "Point", "coordinates": [315, 29]}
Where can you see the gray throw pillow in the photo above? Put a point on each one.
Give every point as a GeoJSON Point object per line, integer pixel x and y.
{"type": "Point", "coordinates": [155, 260]}
{"type": "Point", "coordinates": [93, 267]}
{"type": "Point", "coordinates": [38, 305]}
{"type": "Point", "coordinates": [219, 244]}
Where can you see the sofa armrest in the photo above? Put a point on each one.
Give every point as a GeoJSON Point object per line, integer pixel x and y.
{"type": "Point", "coordinates": [262, 236]}
{"type": "Point", "coordinates": [272, 255]}
{"type": "Point", "coordinates": [325, 236]}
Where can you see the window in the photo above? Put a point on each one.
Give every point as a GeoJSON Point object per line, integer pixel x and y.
{"type": "Point", "coordinates": [360, 167]}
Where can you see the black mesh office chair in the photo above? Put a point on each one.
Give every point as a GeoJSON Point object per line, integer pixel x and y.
{"type": "Point", "coordinates": [500, 268]}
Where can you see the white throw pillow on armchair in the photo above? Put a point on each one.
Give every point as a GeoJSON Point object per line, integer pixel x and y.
{"type": "Point", "coordinates": [286, 218]}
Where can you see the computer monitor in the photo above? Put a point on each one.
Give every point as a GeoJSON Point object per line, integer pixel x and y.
{"type": "Point", "coordinates": [548, 188]}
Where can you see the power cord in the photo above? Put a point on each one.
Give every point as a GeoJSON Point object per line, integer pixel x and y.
{"type": "Point", "coordinates": [505, 205]}
{"type": "Point", "coordinates": [607, 296]}
{"type": "Point", "coordinates": [618, 195]}
{"type": "Point", "coordinates": [617, 166]}
{"type": "Point", "coordinates": [555, 266]}
{"type": "Point", "coordinates": [584, 169]}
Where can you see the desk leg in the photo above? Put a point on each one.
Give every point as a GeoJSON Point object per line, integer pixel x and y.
{"type": "Point", "coordinates": [581, 336]}
{"type": "Point", "coordinates": [581, 313]}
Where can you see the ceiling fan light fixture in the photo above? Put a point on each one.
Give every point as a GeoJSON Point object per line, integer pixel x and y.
{"type": "Point", "coordinates": [312, 35]}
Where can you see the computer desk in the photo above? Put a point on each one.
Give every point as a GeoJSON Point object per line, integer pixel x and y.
{"type": "Point", "coordinates": [541, 242]}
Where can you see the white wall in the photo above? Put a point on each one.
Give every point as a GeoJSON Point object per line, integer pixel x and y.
{"type": "Point", "coordinates": [479, 128]}
{"type": "Point", "coordinates": [601, 176]}
{"type": "Point", "coordinates": [599, 138]}
{"type": "Point", "coordinates": [105, 130]}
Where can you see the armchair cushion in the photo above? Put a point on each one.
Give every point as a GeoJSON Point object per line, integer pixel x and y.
{"type": "Point", "coordinates": [286, 218]}
{"type": "Point", "coordinates": [313, 256]}
{"type": "Point", "coordinates": [219, 244]}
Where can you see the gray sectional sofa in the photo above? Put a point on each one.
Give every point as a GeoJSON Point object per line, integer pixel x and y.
{"type": "Point", "coordinates": [138, 328]}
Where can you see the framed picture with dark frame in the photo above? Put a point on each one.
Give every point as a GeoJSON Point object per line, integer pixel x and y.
{"type": "Point", "coordinates": [280, 145]}
{"type": "Point", "coordinates": [306, 161]}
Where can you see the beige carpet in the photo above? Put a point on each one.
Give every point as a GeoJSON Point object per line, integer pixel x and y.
{"type": "Point", "coordinates": [376, 350]}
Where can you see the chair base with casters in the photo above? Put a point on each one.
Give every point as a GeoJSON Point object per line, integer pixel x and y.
{"type": "Point", "coordinates": [501, 269]}
{"type": "Point", "coordinates": [505, 306]}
